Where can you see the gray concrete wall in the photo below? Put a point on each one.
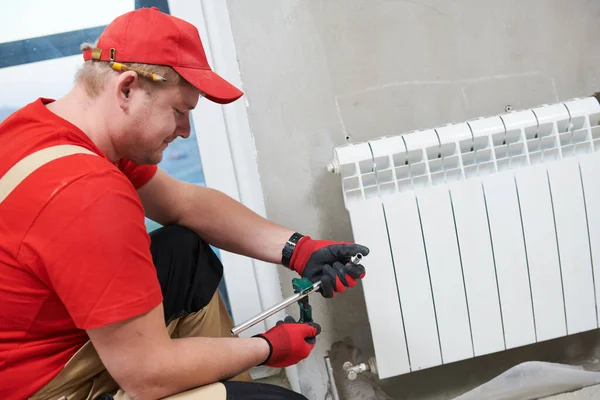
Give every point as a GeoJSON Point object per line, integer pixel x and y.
{"type": "Point", "coordinates": [320, 72]}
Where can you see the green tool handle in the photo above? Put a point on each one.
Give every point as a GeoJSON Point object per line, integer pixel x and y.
{"type": "Point", "coordinates": [305, 311]}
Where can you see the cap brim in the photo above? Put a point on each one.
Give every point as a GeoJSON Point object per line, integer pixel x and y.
{"type": "Point", "coordinates": [212, 85]}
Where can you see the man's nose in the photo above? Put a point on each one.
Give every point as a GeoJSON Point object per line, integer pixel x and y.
{"type": "Point", "coordinates": [184, 128]}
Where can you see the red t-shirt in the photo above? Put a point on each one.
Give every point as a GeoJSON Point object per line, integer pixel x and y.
{"type": "Point", "coordinates": [74, 251]}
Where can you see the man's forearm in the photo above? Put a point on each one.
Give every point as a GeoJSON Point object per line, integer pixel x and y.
{"type": "Point", "coordinates": [191, 362]}
{"type": "Point", "coordinates": [229, 225]}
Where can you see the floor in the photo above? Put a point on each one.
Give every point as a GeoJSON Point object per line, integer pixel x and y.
{"type": "Point", "coordinates": [589, 393]}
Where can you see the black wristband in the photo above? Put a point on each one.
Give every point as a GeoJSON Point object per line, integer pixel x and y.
{"type": "Point", "coordinates": [288, 249]}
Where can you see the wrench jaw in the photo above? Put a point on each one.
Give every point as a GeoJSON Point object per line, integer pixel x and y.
{"type": "Point", "coordinates": [303, 286]}
{"type": "Point", "coordinates": [305, 311]}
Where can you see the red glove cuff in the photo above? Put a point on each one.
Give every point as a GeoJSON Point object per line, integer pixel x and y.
{"type": "Point", "coordinates": [304, 249]}
{"type": "Point", "coordinates": [300, 256]}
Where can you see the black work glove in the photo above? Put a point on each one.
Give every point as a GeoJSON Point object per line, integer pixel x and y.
{"type": "Point", "coordinates": [329, 262]}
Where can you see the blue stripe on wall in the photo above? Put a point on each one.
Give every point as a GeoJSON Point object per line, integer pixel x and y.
{"type": "Point", "coordinates": [59, 45]}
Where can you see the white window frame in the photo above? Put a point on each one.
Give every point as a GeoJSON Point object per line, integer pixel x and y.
{"type": "Point", "coordinates": [228, 156]}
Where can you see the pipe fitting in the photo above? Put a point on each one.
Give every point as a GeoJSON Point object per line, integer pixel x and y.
{"type": "Point", "coordinates": [334, 167]}
{"type": "Point", "coordinates": [352, 371]}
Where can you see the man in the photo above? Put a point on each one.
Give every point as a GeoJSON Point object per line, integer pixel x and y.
{"type": "Point", "coordinates": [91, 304]}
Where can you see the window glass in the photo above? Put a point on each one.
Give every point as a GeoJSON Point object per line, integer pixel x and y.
{"type": "Point", "coordinates": [22, 84]}
{"type": "Point", "coordinates": [43, 18]}
{"type": "Point", "coordinates": [182, 161]}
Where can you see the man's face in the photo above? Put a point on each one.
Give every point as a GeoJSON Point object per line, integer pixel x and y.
{"type": "Point", "coordinates": [150, 121]}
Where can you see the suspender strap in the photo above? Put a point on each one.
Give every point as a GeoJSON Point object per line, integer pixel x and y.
{"type": "Point", "coordinates": [29, 164]}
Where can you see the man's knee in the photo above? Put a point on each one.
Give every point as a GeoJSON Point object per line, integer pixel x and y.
{"type": "Point", "coordinates": [174, 237]}
{"type": "Point", "coordinates": [232, 391]}
{"type": "Point", "coordinates": [259, 391]}
{"type": "Point", "coordinates": [188, 270]}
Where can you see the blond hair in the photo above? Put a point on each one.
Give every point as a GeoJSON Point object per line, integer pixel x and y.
{"type": "Point", "coordinates": [93, 74]}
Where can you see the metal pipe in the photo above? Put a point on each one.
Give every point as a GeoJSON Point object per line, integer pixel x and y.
{"type": "Point", "coordinates": [272, 310]}
{"type": "Point", "coordinates": [356, 259]}
{"type": "Point", "coordinates": [236, 330]}
{"type": "Point", "coordinates": [332, 387]}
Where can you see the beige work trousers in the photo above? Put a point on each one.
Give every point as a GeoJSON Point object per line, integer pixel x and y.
{"type": "Point", "coordinates": [84, 377]}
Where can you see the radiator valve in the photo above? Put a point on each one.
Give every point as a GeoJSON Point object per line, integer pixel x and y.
{"type": "Point", "coordinates": [334, 167]}
{"type": "Point", "coordinates": [352, 371]}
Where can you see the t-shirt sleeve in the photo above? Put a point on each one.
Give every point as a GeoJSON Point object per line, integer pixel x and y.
{"type": "Point", "coordinates": [138, 175]}
{"type": "Point", "coordinates": [91, 247]}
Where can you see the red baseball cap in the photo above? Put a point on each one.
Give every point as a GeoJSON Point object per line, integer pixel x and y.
{"type": "Point", "coordinates": [149, 36]}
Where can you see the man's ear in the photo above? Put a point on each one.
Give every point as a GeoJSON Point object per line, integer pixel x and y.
{"type": "Point", "coordinates": [127, 82]}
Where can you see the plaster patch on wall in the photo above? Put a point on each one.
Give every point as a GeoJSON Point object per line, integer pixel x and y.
{"type": "Point", "coordinates": [442, 82]}
{"type": "Point", "coordinates": [339, 115]}
{"type": "Point", "coordinates": [490, 96]}
{"type": "Point", "coordinates": [400, 107]}
{"type": "Point", "coordinates": [465, 98]}
{"type": "Point", "coordinates": [395, 109]}
{"type": "Point", "coordinates": [426, 6]}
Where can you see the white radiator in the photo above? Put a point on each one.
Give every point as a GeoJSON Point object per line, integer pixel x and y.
{"type": "Point", "coordinates": [484, 235]}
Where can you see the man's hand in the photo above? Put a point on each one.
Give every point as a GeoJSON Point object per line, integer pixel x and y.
{"type": "Point", "coordinates": [290, 342]}
{"type": "Point", "coordinates": [328, 262]}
